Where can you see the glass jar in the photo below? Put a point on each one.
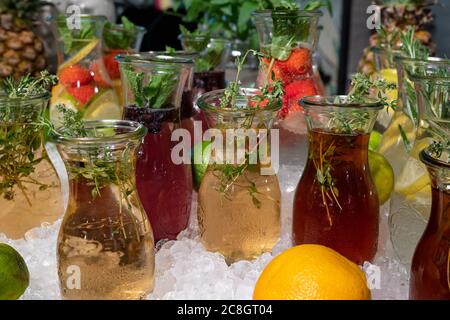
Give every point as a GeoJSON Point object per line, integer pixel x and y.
{"type": "Point", "coordinates": [430, 270]}
{"type": "Point", "coordinates": [105, 243]}
{"type": "Point", "coordinates": [290, 62]}
{"type": "Point", "coordinates": [336, 191]}
{"type": "Point", "coordinates": [423, 118]}
{"type": "Point", "coordinates": [164, 185]}
{"type": "Point", "coordinates": [30, 193]}
{"type": "Point", "coordinates": [84, 84]}
{"type": "Point", "coordinates": [238, 201]}
{"type": "Point", "coordinates": [119, 40]}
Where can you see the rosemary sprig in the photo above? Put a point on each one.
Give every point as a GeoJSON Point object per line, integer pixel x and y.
{"type": "Point", "coordinates": [20, 137]}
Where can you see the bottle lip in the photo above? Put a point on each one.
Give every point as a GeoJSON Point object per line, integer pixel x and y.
{"type": "Point", "coordinates": [429, 60]}
{"type": "Point", "coordinates": [267, 13]}
{"type": "Point", "coordinates": [28, 100]}
{"type": "Point", "coordinates": [135, 131]}
{"type": "Point", "coordinates": [429, 160]}
{"type": "Point", "coordinates": [339, 101]}
{"type": "Point", "coordinates": [210, 102]}
{"type": "Point", "coordinates": [180, 56]}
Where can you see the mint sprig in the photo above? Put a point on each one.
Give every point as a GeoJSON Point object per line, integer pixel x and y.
{"type": "Point", "coordinates": [120, 38]}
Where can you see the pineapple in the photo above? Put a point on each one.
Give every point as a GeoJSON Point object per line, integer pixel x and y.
{"type": "Point", "coordinates": [396, 16]}
{"type": "Point", "coordinates": [21, 50]}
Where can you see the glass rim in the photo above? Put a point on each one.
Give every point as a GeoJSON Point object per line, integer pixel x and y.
{"type": "Point", "coordinates": [138, 131]}
{"type": "Point", "coordinates": [43, 96]}
{"type": "Point", "coordinates": [267, 13]}
{"type": "Point", "coordinates": [330, 102]}
{"type": "Point", "coordinates": [180, 56]}
{"type": "Point", "coordinates": [119, 27]}
{"type": "Point", "coordinates": [429, 160]}
{"type": "Point", "coordinates": [145, 59]}
{"type": "Point", "coordinates": [243, 92]}
{"type": "Point", "coordinates": [149, 109]}
{"type": "Point", "coordinates": [432, 60]}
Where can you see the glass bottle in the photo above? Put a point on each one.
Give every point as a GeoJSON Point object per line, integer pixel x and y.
{"type": "Point", "coordinates": [30, 192]}
{"type": "Point", "coordinates": [105, 243]}
{"type": "Point", "coordinates": [430, 270]}
{"type": "Point", "coordinates": [423, 118]}
{"type": "Point", "coordinates": [336, 204]}
{"type": "Point", "coordinates": [295, 66]}
{"type": "Point", "coordinates": [84, 83]}
{"type": "Point", "coordinates": [119, 40]}
{"type": "Point", "coordinates": [164, 186]}
{"type": "Point", "coordinates": [238, 202]}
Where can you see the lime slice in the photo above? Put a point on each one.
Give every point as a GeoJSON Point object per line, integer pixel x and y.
{"type": "Point", "coordinates": [374, 142]}
{"type": "Point", "coordinates": [382, 175]}
{"type": "Point", "coordinates": [14, 275]}
{"type": "Point", "coordinates": [413, 178]}
{"type": "Point", "coordinates": [204, 150]}
{"type": "Point", "coordinates": [104, 106]}
{"type": "Point", "coordinates": [80, 55]}
{"type": "Point", "coordinates": [65, 99]}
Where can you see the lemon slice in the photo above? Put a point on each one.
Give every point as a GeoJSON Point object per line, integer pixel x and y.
{"type": "Point", "coordinates": [413, 178]}
{"type": "Point", "coordinates": [390, 75]}
{"type": "Point", "coordinates": [104, 106]}
{"type": "Point", "coordinates": [80, 54]}
{"type": "Point", "coordinates": [392, 136]}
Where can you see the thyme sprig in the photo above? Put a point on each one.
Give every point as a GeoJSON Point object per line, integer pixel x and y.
{"type": "Point", "coordinates": [101, 167]}
{"type": "Point", "coordinates": [20, 137]}
{"type": "Point", "coordinates": [270, 95]}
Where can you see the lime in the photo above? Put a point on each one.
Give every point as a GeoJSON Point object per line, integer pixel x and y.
{"type": "Point", "coordinates": [104, 106]}
{"type": "Point", "coordinates": [382, 175]}
{"type": "Point", "coordinates": [14, 275]}
{"type": "Point", "coordinates": [374, 142]}
{"type": "Point", "coordinates": [204, 150]}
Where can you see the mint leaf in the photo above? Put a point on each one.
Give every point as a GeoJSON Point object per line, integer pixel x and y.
{"type": "Point", "coordinates": [120, 38]}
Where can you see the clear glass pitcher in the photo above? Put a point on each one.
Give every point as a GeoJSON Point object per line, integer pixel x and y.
{"type": "Point", "coordinates": [238, 204]}
{"type": "Point", "coordinates": [289, 37]}
{"type": "Point", "coordinates": [84, 84]}
{"type": "Point", "coordinates": [30, 192]}
{"type": "Point", "coordinates": [336, 191]}
{"type": "Point", "coordinates": [430, 270]}
{"type": "Point", "coordinates": [423, 118]}
{"type": "Point", "coordinates": [153, 88]}
{"type": "Point", "coordinates": [105, 243]}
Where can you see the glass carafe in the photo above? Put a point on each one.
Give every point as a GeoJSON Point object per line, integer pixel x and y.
{"type": "Point", "coordinates": [336, 203]}
{"type": "Point", "coordinates": [105, 243]}
{"type": "Point", "coordinates": [119, 40]}
{"type": "Point", "coordinates": [295, 65]}
{"type": "Point", "coordinates": [84, 84]}
{"type": "Point", "coordinates": [238, 201]}
{"type": "Point", "coordinates": [423, 118]}
{"type": "Point", "coordinates": [164, 185]}
{"type": "Point", "coordinates": [30, 193]}
{"type": "Point", "coordinates": [430, 270]}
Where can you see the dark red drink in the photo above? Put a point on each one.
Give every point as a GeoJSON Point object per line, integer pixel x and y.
{"type": "Point", "coordinates": [165, 188]}
{"type": "Point", "coordinates": [336, 204]}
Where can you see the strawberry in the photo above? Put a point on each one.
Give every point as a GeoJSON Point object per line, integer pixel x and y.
{"type": "Point", "coordinates": [75, 76]}
{"type": "Point", "coordinates": [111, 65]}
{"type": "Point", "coordinates": [82, 94]}
{"type": "Point", "coordinates": [298, 64]}
{"type": "Point", "coordinates": [294, 92]}
{"type": "Point", "coordinates": [101, 76]}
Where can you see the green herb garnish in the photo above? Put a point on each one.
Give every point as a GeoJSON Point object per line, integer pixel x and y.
{"type": "Point", "coordinates": [74, 39]}
{"type": "Point", "coordinates": [20, 136]}
{"type": "Point", "coordinates": [122, 38]}
{"type": "Point", "coordinates": [155, 93]}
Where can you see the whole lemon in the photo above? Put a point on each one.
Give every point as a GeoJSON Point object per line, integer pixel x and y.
{"type": "Point", "coordinates": [14, 275]}
{"type": "Point", "coordinates": [311, 272]}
